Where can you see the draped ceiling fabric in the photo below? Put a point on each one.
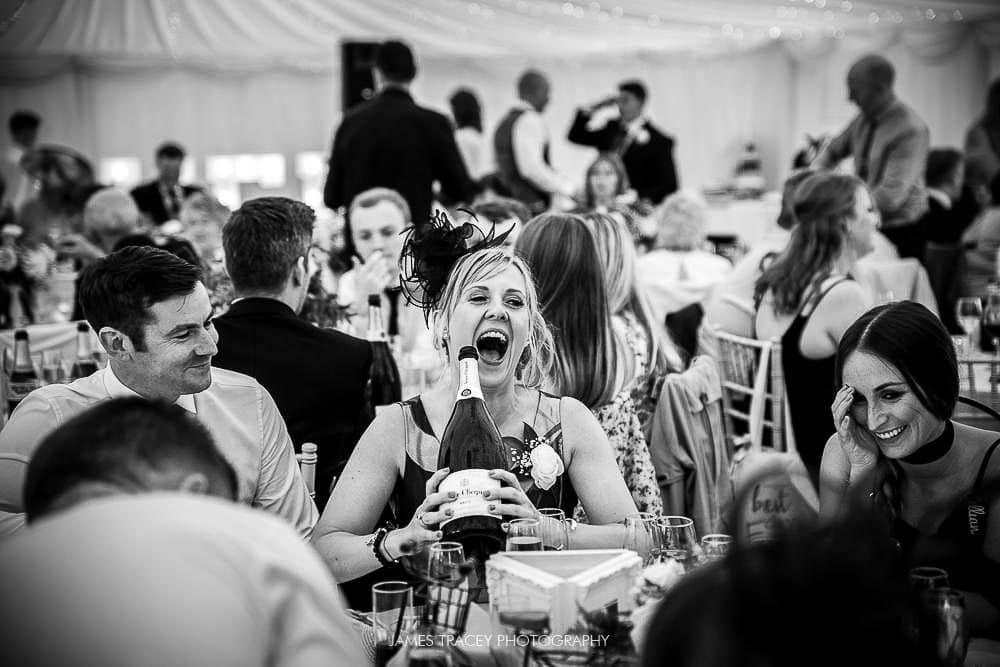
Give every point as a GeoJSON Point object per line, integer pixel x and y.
{"type": "Point", "coordinates": [115, 77]}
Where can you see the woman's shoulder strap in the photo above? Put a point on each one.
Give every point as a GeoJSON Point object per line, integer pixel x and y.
{"type": "Point", "coordinates": [819, 290]}
{"type": "Point", "coordinates": [984, 465]}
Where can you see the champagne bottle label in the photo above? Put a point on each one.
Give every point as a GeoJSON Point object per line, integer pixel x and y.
{"type": "Point", "coordinates": [17, 391]}
{"type": "Point", "coordinates": [470, 487]}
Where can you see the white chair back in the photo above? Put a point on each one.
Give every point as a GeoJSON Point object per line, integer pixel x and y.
{"type": "Point", "coordinates": [307, 464]}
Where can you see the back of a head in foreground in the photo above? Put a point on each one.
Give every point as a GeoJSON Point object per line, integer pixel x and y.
{"type": "Point", "coordinates": [169, 579]}
{"type": "Point", "coordinates": [124, 446]}
{"type": "Point", "coordinates": [833, 595]}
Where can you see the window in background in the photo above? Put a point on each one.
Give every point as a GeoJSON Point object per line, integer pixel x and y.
{"type": "Point", "coordinates": [120, 172]}
{"type": "Point", "coordinates": [310, 169]}
{"type": "Point", "coordinates": [234, 178]}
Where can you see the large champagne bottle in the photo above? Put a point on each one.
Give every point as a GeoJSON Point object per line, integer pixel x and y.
{"type": "Point", "coordinates": [384, 386]}
{"type": "Point", "coordinates": [471, 447]}
{"type": "Point", "coordinates": [23, 378]}
{"type": "Point", "coordinates": [85, 363]}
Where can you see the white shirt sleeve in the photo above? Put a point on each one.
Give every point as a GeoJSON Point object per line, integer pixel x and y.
{"type": "Point", "coordinates": [529, 137]}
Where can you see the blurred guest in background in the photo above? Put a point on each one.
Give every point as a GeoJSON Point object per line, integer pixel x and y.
{"type": "Point", "coordinates": [889, 144]}
{"type": "Point", "coordinates": [133, 507]}
{"type": "Point", "coordinates": [161, 199]}
{"type": "Point", "coordinates": [316, 376]}
{"type": "Point", "coordinates": [66, 181]}
{"type": "Point", "coordinates": [23, 127]}
{"type": "Point", "coordinates": [646, 152]}
{"type": "Point", "coordinates": [521, 146]}
{"type": "Point", "coordinates": [982, 142]}
{"type": "Point", "coordinates": [806, 298]}
{"type": "Point", "coordinates": [731, 305]}
{"type": "Point", "coordinates": [981, 242]}
{"type": "Point", "coordinates": [391, 142]}
{"type": "Point", "coordinates": [468, 115]}
{"type": "Point", "coordinates": [936, 480]}
{"type": "Point", "coordinates": [678, 275]}
{"type": "Point", "coordinates": [506, 215]}
{"type": "Point", "coordinates": [592, 364]}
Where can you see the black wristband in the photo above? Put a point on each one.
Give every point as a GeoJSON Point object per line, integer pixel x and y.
{"type": "Point", "coordinates": [380, 536]}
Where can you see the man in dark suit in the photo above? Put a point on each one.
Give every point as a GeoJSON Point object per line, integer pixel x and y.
{"type": "Point", "coordinates": [648, 154]}
{"type": "Point", "coordinates": [316, 376]}
{"type": "Point", "coordinates": [160, 199]}
{"type": "Point", "coordinates": [390, 141]}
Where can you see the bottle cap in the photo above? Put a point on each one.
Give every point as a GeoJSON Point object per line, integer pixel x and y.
{"type": "Point", "coordinates": [82, 326]}
{"type": "Point", "coordinates": [374, 300]}
{"type": "Point", "coordinates": [20, 334]}
{"type": "Point", "coordinates": [468, 352]}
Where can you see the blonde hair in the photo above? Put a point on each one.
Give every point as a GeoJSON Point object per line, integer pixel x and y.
{"type": "Point", "coordinates": [682, 219]}
{"type": "Point", "coordinates": [535, 367]}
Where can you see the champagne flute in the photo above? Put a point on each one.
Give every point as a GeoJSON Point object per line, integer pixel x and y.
{"type": "Point", "coordinates": [555, 535]}
{"type": "Point", "coordinates": [991, 327]}
{"type": "Point", "coordinates": [679, 540]}
{"type": "Point", "coordinates": [445, 562]}
{"type": "Point", "coordinates": [524, 535]}
{"type": "Point", "coordinates": [943, 630]}
{"type": "Point", "coordinates": [641, 536]}
{"type": "Point", "coordinates": [969, 312]}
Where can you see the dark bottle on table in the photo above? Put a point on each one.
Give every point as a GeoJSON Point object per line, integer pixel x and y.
{"type": "Point", "coordinates": [384, 386]}
{"type": "Point", "coordinates": [85, 364]}
{"type": "Point", "coordinates": [23, 378]}
{"type": "Point", "coordinates": [472, 446]}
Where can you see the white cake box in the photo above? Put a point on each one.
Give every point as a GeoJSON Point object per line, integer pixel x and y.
{"type": "Point", "coordinates": [563, 582]}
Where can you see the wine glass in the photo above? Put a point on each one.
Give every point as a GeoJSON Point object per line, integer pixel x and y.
{"type": "Point", "coordinates": [969, 312]}
{"type": "Point", "coordinates": [678, 539]}
{"type": "Point", "coordinates": [445, 562]}
{"type": "Point", "coordinates": [524, 535]}
{"type": "Point", "coordinates": [555, 534]}
{"type": "Point", "coordinates": [640, 536]}
{"type": "Point", "coordinates": [392, 607]}
{"type": "Point", "coordinates": [942, 628]}
{"type": "Point", "coordinates": [991, 327]}
{"type": "Point", "coordinates": [715, 546]}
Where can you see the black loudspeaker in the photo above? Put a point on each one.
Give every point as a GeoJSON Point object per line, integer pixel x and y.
{"type": "Point", "coordinates": [357, 82]}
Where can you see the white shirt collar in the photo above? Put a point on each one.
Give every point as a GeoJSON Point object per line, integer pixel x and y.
{"type": "Point", "coordinates": [633, 128]}
{"type": "Point", "coordinates": [116, 389]}
{"type": "Point", "coordinates": [940, 197]}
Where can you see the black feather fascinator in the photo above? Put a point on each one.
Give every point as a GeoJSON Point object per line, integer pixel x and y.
{"type": "Point", "coordinates": [431, 250]}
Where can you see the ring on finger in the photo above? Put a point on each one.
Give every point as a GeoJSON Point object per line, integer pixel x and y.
{"type": "Point", "coordinates": [420, 519]}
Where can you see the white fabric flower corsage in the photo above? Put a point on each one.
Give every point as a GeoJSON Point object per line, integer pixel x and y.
{"type": "Point", "coordinates": [642, 136]}
{"type": "Point", "coordinates": [546, 466]}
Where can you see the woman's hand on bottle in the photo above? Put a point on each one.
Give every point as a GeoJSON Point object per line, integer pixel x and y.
{"type": "Point", "coordinates": [423, 526]}
{"type": "Point", "coordinates": [856, 442]}
{"type": "Point", "coordinates": [510, 500]}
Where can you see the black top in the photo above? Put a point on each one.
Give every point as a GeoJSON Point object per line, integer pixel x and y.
{"type": "Point", "coordinates": [649, 164]}
{"type": "Point", "coordinates": [316, 376]}
{"type": "Point", "coordinates": [149, 200]}
{"type": "Point", "coordinates": [810, 386]}
{"type": "Point", "coordinates": [389, 141]}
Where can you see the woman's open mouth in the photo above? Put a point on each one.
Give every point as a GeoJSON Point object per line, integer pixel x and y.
{"type": "Point", "coordinates": [492, 346]}
{"type": "Point", "coordinates": [890, 434]}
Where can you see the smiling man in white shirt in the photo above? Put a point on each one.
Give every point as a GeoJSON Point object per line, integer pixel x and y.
{"type": "Point", "coordinates": [154, 320]}
{"type": "Point", "coordinates": [521, 145]}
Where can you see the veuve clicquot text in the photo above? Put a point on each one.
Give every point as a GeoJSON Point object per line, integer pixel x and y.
{"type": "Point", "coordinates": [384, 386]}
{"type": "Point", "coordinates": [471, 447]}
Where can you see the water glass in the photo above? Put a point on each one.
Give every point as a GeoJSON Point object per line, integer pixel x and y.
{"type": "Point", "coordinates": [520, 612]}
{"type": "Point", "coordinates": [53, 371]}
{"type": "Point", "coordinates": [641, 536]}
{"type": "Point", "coordinates": [524, 535]}
{"type": "Point", "coordinates": [555, 533]}
{"type": "Point", "coordinates": [715, 546]}
{"type": "Point", "coordinates": [942, 626]}
{"type": "Point", "coordinates": [392, 618]}
{"type": "Point", "coordinates": [678, 539]}
{"type": "Point", "coordinates": [968, 312]}
{"type": "Point", "coordinates": [445, 562]}
{"type": "Point", "coordinates": [927, 578]}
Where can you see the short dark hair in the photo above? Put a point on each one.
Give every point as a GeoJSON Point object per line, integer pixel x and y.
{"type": "Point", "coordinates": [466, 110]}
{"type": "Point", "coordinates": [912, 339]}
{"type": "Point", "coordinates": [263, 238]}
{"type": "Point", "coordinates": [634, 87]}
{"type": "Point", "coordinates": [170, 150]}
{"type": "Point", "coordinates": [118, 290]}
{"type": "Point", "coordinates": [500, 209]}
{"type": "Point", "coordinates": [395, 60]}
{"type": "Point", "coordinates": [941, 164]}
{"type": "Point", "coordinates": [22, 120]}
{"type": "Point", "coordinates": [123, 443]}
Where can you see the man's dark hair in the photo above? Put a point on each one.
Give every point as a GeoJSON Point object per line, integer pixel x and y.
{"type": "Point", "coordinates": [118, 290]}
{"type": "Point", "coordinates": [171, 151]}
{"type": "Point", "coordinates": [262, 239]}
{"type": "Point", "coordinates": [20, 121]}
{"type": "Point", "coordinates": [941, 164]}
{"type": "Point", "coordinates": [395, 60]}
{"type": "Point", "coordinates": [127, 445]}
{"type": "Point", "coordinates": [634, 87]}
{"type": "Point", "coordinates": [466, 110]}
{"type": "Point", "coordinates": [500, 209]}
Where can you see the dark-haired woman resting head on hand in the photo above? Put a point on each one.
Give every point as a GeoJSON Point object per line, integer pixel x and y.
{"type": "Point", "coordinates": [937, 481]}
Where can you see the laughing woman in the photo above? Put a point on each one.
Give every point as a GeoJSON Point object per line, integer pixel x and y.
{"type": "Point", "coordinates": [488, 301]}
{"type": "Point", "coordinates": [937, 480]}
